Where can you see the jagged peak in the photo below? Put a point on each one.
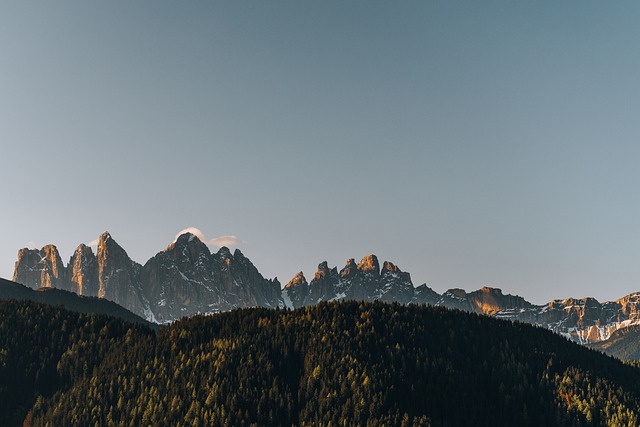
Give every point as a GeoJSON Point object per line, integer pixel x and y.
{"type": "Point", "coordinates": [349, 269]}
{"type": "Point", "coordinates": [237, 253]}
{"type": "Point", "coordinates": [82, 250]}
{"type": "Point", "coordinates": [186, 239]}
{"type": "Point", "coordinates": [24, 252]}
{"type": "Point", "coordinates": [224, 252]}
{"type": "Point", "coordinates": [50, 248]}
{"type": "Point", "coordinates": [186, 236]}
{"type": "Point", "coordinates": [81, 247]}
{"type": "Point", "coordinates": [297, 280]}
{"type": "Point", "coordinates": [106, 240]}
{"type": "Point", "coordinates": [49, 253]}
{"type": "Point", "coordinates": [107, 245]}
{"type": "Point", "coordinates": [369, 263]}
{"type": "Point", "coordinates": [322, 271]}
{"type": "Point", "coordinates": [389, 266]}
{"type": "Point", "coordinates": [44, 253]}
{"type": "Point", "coordinates": [187, 244]}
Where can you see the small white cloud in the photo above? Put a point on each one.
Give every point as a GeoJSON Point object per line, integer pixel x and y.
{"type": "Point", "coordinates": [32, 245]}
{"type": "Point", "coordinates": [93, 243]}
{"type": "Point", "coordinates": [225, 241]}
{"type": "Point", "coordinates": [216, 241]}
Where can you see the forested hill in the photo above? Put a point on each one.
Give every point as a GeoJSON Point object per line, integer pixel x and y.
{"type": "Point", "coordinates": [69, 300]}
{"type": "Point", "coordinates": [330, 364]}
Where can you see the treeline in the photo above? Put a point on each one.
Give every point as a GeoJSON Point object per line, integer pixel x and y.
{"type": "Point", "coordinates": [338, 364]}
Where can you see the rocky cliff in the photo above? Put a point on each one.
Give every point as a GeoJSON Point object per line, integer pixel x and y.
{"type": "Point", "coordinates": [82, 272]}
{"type": "Point", "coordinates": [184, 279]}
{"type": "Point", "coordinates": [41, 268]}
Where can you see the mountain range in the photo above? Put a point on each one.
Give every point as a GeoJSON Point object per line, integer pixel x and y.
{"type": "Point", "coordinates": [187, 279]}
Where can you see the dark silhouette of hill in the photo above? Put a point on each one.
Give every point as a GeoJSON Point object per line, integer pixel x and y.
{"type": "Point", "coordinates": [69, 300]}
{"type": "Point", "coordinates": [339, 363]}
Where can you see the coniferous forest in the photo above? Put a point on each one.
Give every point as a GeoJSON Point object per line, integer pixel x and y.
{"type": "Point", "coordinates": [333, 364]}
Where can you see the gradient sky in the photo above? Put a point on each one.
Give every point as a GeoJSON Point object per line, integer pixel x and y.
{"type": "Point", "coordinates": [472, 143]}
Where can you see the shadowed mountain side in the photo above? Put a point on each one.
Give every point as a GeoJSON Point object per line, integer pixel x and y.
{"type": "Point", "coordinates": [623, 344]}
{"type": "Point", "coordinates": [338, 363]}
{"type": "Point", "coordinates": [69, 300]}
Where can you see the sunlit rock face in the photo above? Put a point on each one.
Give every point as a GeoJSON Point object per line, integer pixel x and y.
{"type": "Point", "coordinates": [40, 268]}
{"type": "Point", "coordinates": [119, 278]}
{"type": "Point", "coordinates": [83, 272]}
{"type": "Point", "coordinates": [363, 281]}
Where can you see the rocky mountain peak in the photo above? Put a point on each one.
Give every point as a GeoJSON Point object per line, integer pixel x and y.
{"type": "Point", "coordinates": [388, 266]}
{"type": "Point", "coordinates": [183, 240]}
{"type": "Point", "coordinates": [322, 271]}
{"type": "Point", "coordinates": [350, 269]}
{"type": "Point", "coordinates": [224, 253]}
{"type": "Point", "coordinates": [52, 258]}
{"type": "Point", "coordinates": [369, 264]}
{"type": "Point", "coordinates": [107, 244]}
{"type": "Point", "coordinates": [83, 271]}
{"type": "Point", "coordinates": [119, 276]}
{"type": "Point", "coordinates": [40, 268]}
{"type": "Point", "coordinates": [297, 280]}
{"type": "Point", "coordinates": [104, 237]}
{"type": "Point", "coordinates": [82, 248]}
{"type": "Point", "coordinates": [187, 247]}
{"type": "Point", "coordinates": [238, 255]}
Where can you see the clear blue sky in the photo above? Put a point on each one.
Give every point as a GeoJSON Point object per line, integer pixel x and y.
{"type": "Point", "coordinates": [472, 143]}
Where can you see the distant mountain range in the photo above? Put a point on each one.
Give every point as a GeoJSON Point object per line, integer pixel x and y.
{"type": "Point", "coordinates": [187, 279]}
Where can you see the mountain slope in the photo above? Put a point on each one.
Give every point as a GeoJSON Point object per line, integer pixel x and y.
{"type": "Point", "coordinates": [69, 300]}
{"type": "Point", "coordinates": [342, 363]}
{"type": "Point", "coordinates": [44, 348]}
{"type": "Point", "coordinates": [623, 344]}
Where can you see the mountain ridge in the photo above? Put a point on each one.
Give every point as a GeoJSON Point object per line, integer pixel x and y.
{"type": "Point", "coordinates": [68, 300]}
{"type": "Point", "coordinates": [186, 278]}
